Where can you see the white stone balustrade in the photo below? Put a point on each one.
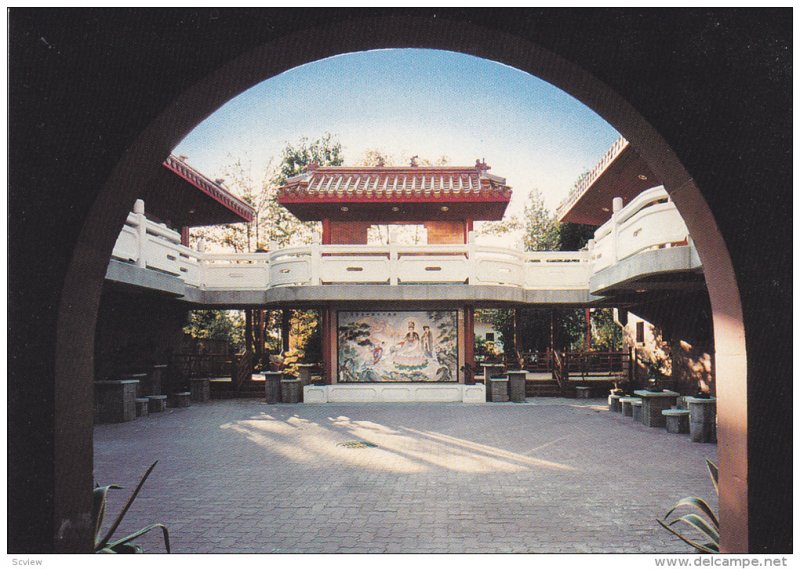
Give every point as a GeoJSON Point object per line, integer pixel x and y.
{"type": "Point", "coordinates": [649, 221]}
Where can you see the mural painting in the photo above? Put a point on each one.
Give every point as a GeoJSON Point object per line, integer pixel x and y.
{"type": "Point", "coordinates": [398, 346]}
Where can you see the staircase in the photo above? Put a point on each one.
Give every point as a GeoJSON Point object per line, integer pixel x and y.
{"type": "Point", "coordinates": [542, 388]}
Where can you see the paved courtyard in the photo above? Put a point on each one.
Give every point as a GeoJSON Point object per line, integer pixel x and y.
{"type": "Point", "coordinates": [553, 475]}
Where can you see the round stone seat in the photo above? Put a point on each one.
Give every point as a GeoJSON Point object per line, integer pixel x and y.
{"type": "Point", "coordinates": [142, 404]}
{"type": "Point", "coordinates": [583, 392]}
{"type": "Point", "coordinates": [614, 404]}
{"type": "Point", "coordinates": [677, 420]}
{"type": "Point", "coordinates": [627, 405]}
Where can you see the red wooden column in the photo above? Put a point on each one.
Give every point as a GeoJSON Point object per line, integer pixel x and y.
{"type": "Point", "coordinates": [185, 236]}
{"type": "Point", "coordinates": [327, 344]}
{"type": "Point", "coordinates": [326, 231]}
{"type": "Point", "coordinates": [469, 338]}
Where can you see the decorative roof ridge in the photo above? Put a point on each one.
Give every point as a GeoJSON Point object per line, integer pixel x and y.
{"type": "Point", "coordinates": [211, 188]}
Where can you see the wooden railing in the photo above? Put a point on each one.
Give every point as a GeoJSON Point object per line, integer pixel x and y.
{"type": "Point", "coordinates": [611, 364]}
{"type": "Point", "coordinates": [560, 372]}
{"type": "Point", "coordinates": [201, 365]}
{"type": "Point", "coordinates": [241, 369]}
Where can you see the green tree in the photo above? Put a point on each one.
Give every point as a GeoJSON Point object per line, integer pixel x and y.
{"type": "Point", "coordinates": [227, 325]}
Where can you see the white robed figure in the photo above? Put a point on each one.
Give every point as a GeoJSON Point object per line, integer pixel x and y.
{"type": "Point", "coordinates": [408, 353]}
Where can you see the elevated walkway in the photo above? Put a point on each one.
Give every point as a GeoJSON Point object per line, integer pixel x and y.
{"type": "Point", "coordinates": [646, 244]}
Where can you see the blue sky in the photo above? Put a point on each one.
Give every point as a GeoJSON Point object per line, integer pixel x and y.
{"type": "Point", "coordinates": [413, 101]}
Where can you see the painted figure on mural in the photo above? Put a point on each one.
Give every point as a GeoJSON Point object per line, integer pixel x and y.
{"type": "Point", "coordinates": [427, 341]}
{"type": "Point", "coordinates": [377, 352]}
{"type": "Point", "coordinates": [408, 353]}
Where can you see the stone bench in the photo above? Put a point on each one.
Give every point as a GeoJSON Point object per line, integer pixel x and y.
{"type": "Point", "coordinates": [142, 405]}
{"type": "Point", "coordinates": [200, 388]}
{"type": "Point", "coordinates": [583, 392]}
{"type": "Point", "coordinates": [182, 399]}
{"type": "Point", "coordinates": [614, 404]}
{"type": "Point", "coordinates": [116, 400]}
{"type": "Point", "coordinates": [653, 403]}
{"type": "Point", "coordinates": [156, 403]}
{"type": "Point", "coordinates": [497, 391]}
{"type": "Point", "coordinates": [272, 386]}
{"type": "Point", "coordinates": [516, 386]}
{"type": "Point", "coordinates": [627, 405]}
{"type": "Point", "coordinates": [702, 419]}
{"type": "Point", "coordinates": [291, 390]}
{"type": "Point", "coordinates": [677, 420]}
{"type": "Point", "coordinates": [636, 410]}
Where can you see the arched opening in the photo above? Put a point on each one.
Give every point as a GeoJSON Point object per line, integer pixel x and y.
{"type": "Point", "coordinates": [79, 300]}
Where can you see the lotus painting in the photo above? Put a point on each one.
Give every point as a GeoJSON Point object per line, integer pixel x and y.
{"type": "Point", "coordinates": [398, 346]}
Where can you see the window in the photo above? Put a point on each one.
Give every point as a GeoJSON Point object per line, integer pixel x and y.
{"type": "Point", "coordinates": [640, 332]}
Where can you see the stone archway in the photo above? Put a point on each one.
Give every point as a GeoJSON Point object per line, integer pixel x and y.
{"type": "Point", "coordinates": [78, 306]}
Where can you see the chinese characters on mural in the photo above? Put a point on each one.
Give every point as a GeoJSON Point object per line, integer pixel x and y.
{"type": "Point", "coordinates": [398, 346]}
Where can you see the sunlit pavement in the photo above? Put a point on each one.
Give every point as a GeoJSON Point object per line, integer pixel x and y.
{"type": "Point", "coordinates": [554, 475]}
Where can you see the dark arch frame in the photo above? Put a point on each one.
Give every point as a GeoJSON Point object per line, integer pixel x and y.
{"type": "Point", "coordinates": [332, 35]}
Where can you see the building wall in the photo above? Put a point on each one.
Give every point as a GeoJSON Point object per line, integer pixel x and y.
{"type": "Point", "coordinates": [445, 232]}
{"type": "Point", "coordinates": [349, 232]}
{"type": "Point", "coordinates": [135, 332]}
{"type": "Point", "coordinates": [690, 362]}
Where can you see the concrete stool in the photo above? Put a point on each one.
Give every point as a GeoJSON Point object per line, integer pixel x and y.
{"type": "Point", "coordinates": [627, 405]}
{"type": "Point", "coordinates": [498, 389]}
{"type": "Point", "coordinates": [614, 404]}
{"type": "Point", "coordinates": [156, 403]}
{"type": "Point", "coordinates": [272, 386]}
{"type": "Point", "coordinates": [583, 392]}
{"type": "Point", "coordinates": [516, 386]}
{"type": "Point", "coordinates": [677, 420]}
{"type": "Point", "coordinates": [636, 410]}
{"type": "Point", "coordinates": [291, 390]}
{"type": "Point", "coordinates": [182, 399]}
{"type": "Point", "coordinates": [142, 404]}
{"type": "Point", "coordinates": [200, 388]}
{"type": "Point", "coordinates": [702, 419]}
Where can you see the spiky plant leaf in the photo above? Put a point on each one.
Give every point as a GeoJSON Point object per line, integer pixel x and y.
{"type": "Point", "coordinates": [703, 548]}
{"type": "Point", "coordinates": [99, 498]}
{"type": "Point", "coordinates": [701, 505]}
{"type": "Point", "coordinates": [713, 471]}
{"type": "Point", "coordinates": [141, 532]}
{"type": "Point", "coordinates": [699, 524]}
{"type": "Point", "coordinates": [128, 504]}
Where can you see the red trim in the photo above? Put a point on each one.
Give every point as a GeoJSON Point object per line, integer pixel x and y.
{"type": "Point", "coordinates": [495, 197]}
{"type": "Point", "coordinates": [211, 189]}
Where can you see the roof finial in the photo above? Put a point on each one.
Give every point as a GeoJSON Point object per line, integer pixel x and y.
{"type": "Point", "coordinates": [481, 165]}
{"type": "Point", "coordinates": [414, 161]}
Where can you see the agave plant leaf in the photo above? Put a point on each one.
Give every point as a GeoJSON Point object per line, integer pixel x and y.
{"type": "Point", "coordinates": [124, 511]}
{"type": "Point", "coordinates": [99, 508]}
{"type": "Point", "coordinates": [140, 533]}
{"type": "Point", "coordinates": [702, 547]}
{"type": "Point", "coordinates": [701, 505]}
{"type": "Point", "coordinates": [699, 524]}
{"type": "Point", "coordinates": [713, 471]}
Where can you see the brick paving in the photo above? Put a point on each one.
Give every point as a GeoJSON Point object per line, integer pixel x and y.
{"type": "Point", "coordinates": [553, 475]}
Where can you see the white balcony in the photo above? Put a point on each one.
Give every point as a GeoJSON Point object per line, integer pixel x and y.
{"type": "Point", "coordinates": [649, 222]}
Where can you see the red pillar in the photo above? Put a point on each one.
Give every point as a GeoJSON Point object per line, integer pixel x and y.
{"type": "Point", "coordinates": [185, 236]}
{"type": "Point", "coordinates": [327, 345]}
{"type": "Point", "coordinates": [588, 334]}
{"type": "Point", "coordinates": [469, 338]}
{"type": "Point", "coordinates": [326, 231]}
{"type": "Point", "coordinates": [467, 228]}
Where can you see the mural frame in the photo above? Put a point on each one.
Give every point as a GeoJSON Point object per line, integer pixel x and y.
{"type": "Point", "coordinates": [405, 313]}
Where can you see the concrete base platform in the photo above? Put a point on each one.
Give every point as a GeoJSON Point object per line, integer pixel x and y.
{"type": "Point", "coordinates": [394, 393]}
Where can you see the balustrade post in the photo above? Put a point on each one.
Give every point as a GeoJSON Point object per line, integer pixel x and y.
{"type": "Point", "coordinates": [141, 233]}
{"type": "Point", "coordinates": [393, 263]}
{"type": "Point", "coordinates": [616, 208]}
{"type": "Point", "coordinates": [201, 263]}
{"type": "Point", "coordinates": [472, 261]}
{"type": "Point", "coordinates": [315, 263]}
